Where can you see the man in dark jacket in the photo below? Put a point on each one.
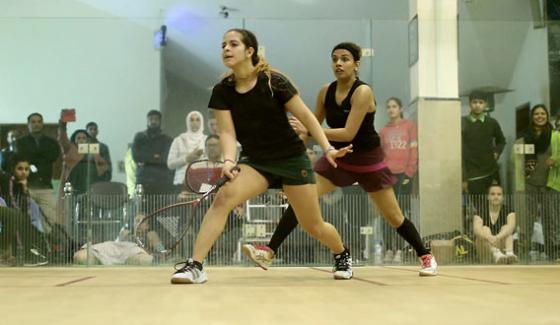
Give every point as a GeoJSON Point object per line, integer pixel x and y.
{"type": "Point", "coordinates": [149, 150]}
{"type": "Point", "coordinates": [41, 151]}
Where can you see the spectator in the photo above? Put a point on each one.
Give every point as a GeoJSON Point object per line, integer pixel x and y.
{"type": "Point", "coordinates": [553, 183]}
{"type": "Point", "coordinates": [93, 130]}
{"type": "Point", "coordinates": [41, 151]}
{"type": "Point", "coordinates": [212, 149]}
{"type": "Point", "coordinates": [483, 143]}
{"type": "Point", "coordinates": [15, 191]}
{"type": "Point", "coordinates": [130, 169]}
{"type": "Point", "coordinates": [213, 125]}
{"type": "Point", "coordinates": [400, 146]}
{"type": "Point", "coordinates": [150, 150]}
{"type": "Point", "coordinates": [80, 169]}
{"type": "Point", "coordinates": [494, 228]}
{"type": "Point", "coordinates": [537, 166]}
{"type": "Point", "coordinates": [121, 251]}
{"type": "Point", "coordinates": [187, 147]}
{"type": "Point", "coordinates": [7, 153]}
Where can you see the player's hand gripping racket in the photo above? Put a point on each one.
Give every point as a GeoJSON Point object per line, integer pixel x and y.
{"type": "Point", "coordinates": [161, 231]}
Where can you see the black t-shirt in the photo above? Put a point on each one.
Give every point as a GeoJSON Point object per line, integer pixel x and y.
{"type": "Point", "coordinates": [366, 138]}
{"type": "Point", "coordinates": [259, 117]}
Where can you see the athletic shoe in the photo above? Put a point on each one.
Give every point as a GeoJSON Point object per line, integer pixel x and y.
{"type": "Point", "coordinates": [34, 258]}
{"type": "Point", "coordinates": [388, 257]}
{"type": "Point", "coordinates": [343, 266]}
{"type": "Point", "coordinates": [398, 257]}
{"type": "Point", "coordinates": [511, 258]}
{"type": "Point", "coordinates": [499, 257]}
{"type": "Point", "coordinates": [260, 254]}
{"type": "Point", "coordinates": [429, 265]}
{"type": "Point", "coordinates": [188, 273]}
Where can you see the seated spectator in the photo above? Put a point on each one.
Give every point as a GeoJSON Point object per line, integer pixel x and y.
{"type": "Point", "coordinates": [16, 192]}
{"type": "Point", "coordinates": [93, 131]}
{"type": "Point", "coordinates": [81, 170]}
{"type": "Point", "coordinates": [494, 229]}
{"type": "Point", "coordinates": [124, 250]}
{"type": "Point", "coordinates": [41, 151]}
{"type": "Point", "coordinates": [187, 147]}
{"type": "Point", "coordinates": [7, 153]}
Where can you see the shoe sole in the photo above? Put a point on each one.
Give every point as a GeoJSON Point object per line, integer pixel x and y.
{"type": "Point", "coordinates": [343, 278]}
{"type": "Point", "coordinates": [421, 273]}
{"type": "Point", "coordinates": [249, 254]}
{"type": "Point", "coordinates": [185, 281]}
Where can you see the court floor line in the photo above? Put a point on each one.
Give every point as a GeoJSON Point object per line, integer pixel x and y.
{"type": "Point", "coordinates": [453, 276]}
{"type": "Point", "coordinates": [64, 284]}
{"type": "Point", "coordinates": [354, 278]}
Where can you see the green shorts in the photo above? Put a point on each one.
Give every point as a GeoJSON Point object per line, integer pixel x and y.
{"type": "Point", "coordinates": [288, 171]}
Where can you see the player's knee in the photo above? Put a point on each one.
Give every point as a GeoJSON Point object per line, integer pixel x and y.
{"type": "Point", "coordinates": [224, 199]}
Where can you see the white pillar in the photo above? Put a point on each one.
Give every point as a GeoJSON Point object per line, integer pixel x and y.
{"type": "Point", "coordinates": [435, 96]}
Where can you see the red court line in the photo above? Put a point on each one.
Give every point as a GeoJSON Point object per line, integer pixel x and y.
{"type": "Point", "coordinates": [454, 276]}
{"type": "Point", "coordinates": [74, 281]}
{"type": "Point", "coordinates": [354, 278]}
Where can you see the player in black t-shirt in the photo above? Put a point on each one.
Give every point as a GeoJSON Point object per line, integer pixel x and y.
{"type": "Point", "coordinates": [250, 105]}
{"type": "Point", "coordinates": [348, 104]}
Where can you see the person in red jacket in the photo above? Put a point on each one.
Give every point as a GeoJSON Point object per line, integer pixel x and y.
{"type": "Point", "coordinates": [400, 147]}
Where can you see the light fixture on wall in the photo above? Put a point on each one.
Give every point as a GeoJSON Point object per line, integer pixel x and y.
{"type": "Point", "coordinates": [160, 37]}
{"type": "Point", "coordinates": [224, 11]}
{"type": "Point", "coordinates": [163, 40]}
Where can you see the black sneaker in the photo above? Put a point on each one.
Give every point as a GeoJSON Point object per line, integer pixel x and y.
{"type": "Point", "coordinates": [343, 266]}
{"type": "Point", "coordinates": [188, 273]}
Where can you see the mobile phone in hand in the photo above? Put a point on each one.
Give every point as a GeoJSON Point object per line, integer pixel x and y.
{"type": "Point", "coordinates": [68, 115]}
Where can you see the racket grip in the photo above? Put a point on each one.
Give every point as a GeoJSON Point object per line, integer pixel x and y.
{"type": "Point", "coordinates": [224, 179]}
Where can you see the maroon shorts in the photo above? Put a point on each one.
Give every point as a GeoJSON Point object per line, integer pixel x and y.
{"type": "Point", "coordinates": [365, 168]}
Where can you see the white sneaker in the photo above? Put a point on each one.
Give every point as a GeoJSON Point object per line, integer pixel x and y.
{"type": "Point", "coordinates": [260, 254]}
{"type": "Point", "coordinates": [499, 257]}
{"type": "Point", "coordinates": [388, 257]}
{"type": "Point", "coordinates": [511, 258]}
{"type": "Point", "coordinates": [429, 265]}
{"type": "Point", "coordinates": [188, 274]}
{"type": "Point", "coordinates": [398, 257]}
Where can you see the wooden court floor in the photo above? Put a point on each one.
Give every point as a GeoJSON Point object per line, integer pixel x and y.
{"type": "Point", "coordinates": [377, 295]}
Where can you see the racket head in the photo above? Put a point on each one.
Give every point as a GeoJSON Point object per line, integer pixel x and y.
{"type": "Point", "coordinates": [202, 175]}
{"type": "Point", "coordinates": [161, 232]}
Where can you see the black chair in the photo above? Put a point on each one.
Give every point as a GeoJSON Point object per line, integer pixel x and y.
{"type": "Point", "coordinates": [106, 206]}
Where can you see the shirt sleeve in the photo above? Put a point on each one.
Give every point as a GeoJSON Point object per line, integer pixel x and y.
{"type": "Point", "coordinates": [218, 99]}
{"type": "Point", "coordinates": [283, 89]}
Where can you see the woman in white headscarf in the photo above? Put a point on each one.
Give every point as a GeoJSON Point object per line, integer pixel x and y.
{"type": "Point", "coordinates": [187, 147]}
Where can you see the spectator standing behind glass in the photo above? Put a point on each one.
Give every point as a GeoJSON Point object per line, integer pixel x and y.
{"type": "Point", "coordinates": [81, 170]}
{"type": "Point", "coordinates": [7, 153]}
{"type": "Point", "coordinates": [399, 141]}
{"type": "Point", "coordinates": [93, 130]}
{"type": "Point", "coordinates": [537, 166]}
{"type": "Point", "coordinates": [483, 142]}
{"type": "Point", "coordinates": [554, 161]}
{"type": "Point", "coordinates": [150, 150]}
{"type": "Point", "coordinates": [494, 228]}
{"type": "Point", "coordinates": [400, 146]}
{"type": "Point", "coordinates": [213, 125]}
{"type": "Point", "coordinates": [41, 151]}
{"type": "Point", "coordinates": [187, 147]}
{"type": "Point", "coordinates": [554, 184]}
